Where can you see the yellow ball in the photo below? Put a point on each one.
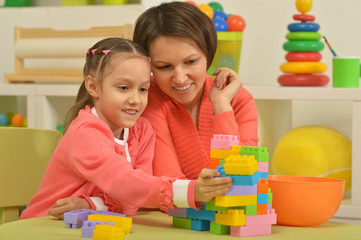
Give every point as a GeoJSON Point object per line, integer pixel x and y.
{"type": "Point", "coordinates": [206, 9]}
{"type": "Point", "coordinates": [314, 151]}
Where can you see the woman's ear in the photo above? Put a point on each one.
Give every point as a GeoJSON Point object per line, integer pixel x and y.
{"type": "Point", "coordinates": [91, 86]}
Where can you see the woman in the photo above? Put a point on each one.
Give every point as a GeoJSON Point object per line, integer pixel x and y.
{"type": "Point", "coordinates": [186, 106]}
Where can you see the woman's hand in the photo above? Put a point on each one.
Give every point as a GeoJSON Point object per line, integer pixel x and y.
{"type": "Point", "coordinates": [225, 86]}
{"type": "Point", "coordinates": [210, 184]}
{"type": "Point", "coordinates": [68, 204]}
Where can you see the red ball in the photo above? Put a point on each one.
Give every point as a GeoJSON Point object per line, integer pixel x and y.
{"type": "Point", "coordinates": [236, 23]}
{"type": "Point", "coordinates": [191, 2]}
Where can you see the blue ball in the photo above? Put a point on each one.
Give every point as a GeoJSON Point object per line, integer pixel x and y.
{"type": "Point", "coordinates": [220, 24]}
{"type": "Point", "coordinates": [220, 14]}
{"type": "Point", "coordinates": [4, 121]}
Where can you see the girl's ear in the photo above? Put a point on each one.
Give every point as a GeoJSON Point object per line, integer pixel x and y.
{"type": "Point", "coordinates": [91, 86]}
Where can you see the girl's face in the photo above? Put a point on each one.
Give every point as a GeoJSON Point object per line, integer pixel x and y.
{"type": "Point", "coordinates": [179, 68]}
{"type": "Point", "coordinates": [123, 94]}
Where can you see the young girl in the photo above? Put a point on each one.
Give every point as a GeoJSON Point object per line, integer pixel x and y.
{"type": "Point", "coordinates": [108, 148]}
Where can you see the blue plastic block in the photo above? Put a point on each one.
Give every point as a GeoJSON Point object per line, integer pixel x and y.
{"type": "Point", "coordinates": [245, 179]}
{"type": "Point", "coordinates": [262, 198]}
{"type": "Point", "coordinates": [264, 175]}
{"type": "Point", "coordinates": [201, 214]}
{"type": "Point", "coordinates": [200, 225]}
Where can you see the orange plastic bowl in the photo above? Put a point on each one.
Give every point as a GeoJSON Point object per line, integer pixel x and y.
{"type": "Point", "coordinates": [305, 201]}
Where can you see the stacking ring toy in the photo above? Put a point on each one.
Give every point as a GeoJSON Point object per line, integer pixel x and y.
{"type": "Point", "coordinates": [303, 67]}
{"type": "Point", "coordinates": [303, 36]}
{"type": "Point", "coordinates": [303, 46]}
{"type": "Point", "coordinates": [303, 80]}
{"type": "Point", "coordinates": [304, 27]}
{"type": "Point", "coordinates": [304, 17]}
{"type": "Point", "coordinates": [303, 57]}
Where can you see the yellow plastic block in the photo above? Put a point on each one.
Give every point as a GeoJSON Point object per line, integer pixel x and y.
{"type": "Point", "coordinates": [240, 165]}
{"type": "Point", "coordinates": [220, 153]}
{"type": "Point", "coordinates": [235, 201]}
{"type": "Point", "coordinates": [236, 149]}
{"type": "Point", "coordinates": [233, 217]}
{"type": "Point", "coordinates": [107, 232]}
{"type": "Point", "coordinates": [121, 222]}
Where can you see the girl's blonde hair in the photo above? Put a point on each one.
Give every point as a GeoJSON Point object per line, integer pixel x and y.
{"type": "Point", "coordinates": [98, 58]}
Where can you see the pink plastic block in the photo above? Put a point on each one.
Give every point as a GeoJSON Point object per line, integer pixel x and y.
{"type": "Point", "coordinates": [242, 190]}
{"type": "Point", "coordinates": [220, 141]}
{"type": "Point", "coordinates": [247, 231]}
{"type": "Point", "coordinates": [263, 166]}
{"type": "Point", "coordinates": [264, 219]}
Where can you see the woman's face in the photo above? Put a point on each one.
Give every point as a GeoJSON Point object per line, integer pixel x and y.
{"type": "Point", "coordinates": [179, 68]}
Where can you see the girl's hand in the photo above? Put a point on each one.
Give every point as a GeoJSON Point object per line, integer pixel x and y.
{"type": "Point", "coordinates": [209, 185]}
{"type": "Point", "coordinates": [225, 86]}
{"type": "Point", "coordinates": [68, 204]}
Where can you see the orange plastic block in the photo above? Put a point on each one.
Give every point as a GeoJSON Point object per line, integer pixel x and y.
{"type": "Point", "coordinates": [261, 209]}
{"type": "Point", "coordinates": [262, 186]}
{"type": "Point", "coordinates": [107, 232]}
{"type": "Point", "coordinates": [214, 163]}
{"type": "Point", "coordinates": [240, 165]}
{"type": "Point", "coordinates": [233, 217]}
{"type": "Point", "coordinates": [234, 201]}
{"type": "Point", "coordinates": [121, 222]}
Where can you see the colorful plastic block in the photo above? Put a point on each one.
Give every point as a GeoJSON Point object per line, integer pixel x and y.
{"type": "Point", "coordinates": [182, 222]}
{"type": "Point", "coordinates": [247, 231]}
{"type": "Point", "coordinates": [211, 205]}
{"type": "Point", "coordinates": [233, 217]}
{"type": "Point", "coordinates": [260, 153]}
{"type": "Point", "coordinates": [122, 222]}
{"type": "Point", "coordinates": [89, 226]}
{"type": "Point", "coordinates": [263, 175]}
{"type": "Point", "coordinates": [263, 166]}
{"type": "Point", "coordinates": [107, 232]}
{"type": "Point", "coordinates": [241, 190]}
{"type": "Point", "coordinates": [262, 198]}
{"type": "Point", "coordinates": [261, 209]}
{"type": "Point", "coordinates": [219, 229]}
{"type": "Point", "coordinates": [269, 218]}
{"type": "Point", "coordinates": [201, 214]}
{"type": "Point", "coordinates": [200, 225]}
{"type": "Point", "coordinates": [245, 179]}
{"type": "Point", "coordinates": [234, 201]}
{"type": "Point", "coordinates": [180, 212]}
{"type": "Point", "coordinates": [214, 163]}
{"type": "Point", "coordinates": [249, 210]}
{"type": "Point", "coordinates": [262, 186]}
{"type": "Point", "coordinates": [220, 141]}
{"type": "Point", "coordinates": [240, 165]}
{"type": "Point", "coordinates": [75, 219]}
{"type": "Point", "coordinates": [270, 196]}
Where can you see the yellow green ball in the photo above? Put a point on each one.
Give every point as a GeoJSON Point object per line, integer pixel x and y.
{"type": "Point", "coordinates": [314, 151]}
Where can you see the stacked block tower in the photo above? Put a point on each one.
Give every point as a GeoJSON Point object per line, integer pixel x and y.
{"type": "Point", "coordinates": [246, 209]}
{"type": "Point", "coordinates": [303, 66]}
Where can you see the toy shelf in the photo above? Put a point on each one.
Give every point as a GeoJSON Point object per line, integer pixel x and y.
{"type": "Point", "coordinates": [47, 104]}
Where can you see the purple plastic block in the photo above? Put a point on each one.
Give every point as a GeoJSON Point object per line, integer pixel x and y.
{"type": "Point", "coordinates": [269, 205]}
{"type": "Point", "coordinates": [108, 213]}
{"type": "Point", "coordinates": [180, 212]}
{"type": "Point", "coordinates": [89, 226]}
{"type": "Point", "coordinates": [237, 190]}
{"type": "Point", "coordinates": [75, 219]}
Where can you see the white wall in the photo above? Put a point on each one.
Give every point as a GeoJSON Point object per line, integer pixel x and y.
{"type": "Point", "coordinates": [262, 52]}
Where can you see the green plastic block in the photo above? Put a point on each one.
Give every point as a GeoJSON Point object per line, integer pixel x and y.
{"type": "Point", "coordinates": [219, 229]}
{"type": "Point", "coordinates": [259, 153]}
{"type": "Point", "coordinates": [270, 196]}
{"type": "Point", "coordinates": [249, 210]}
{"type": "Point", "coordinates": [211, 205]}
{"type": "Point", "coordinates": [182, 222]}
